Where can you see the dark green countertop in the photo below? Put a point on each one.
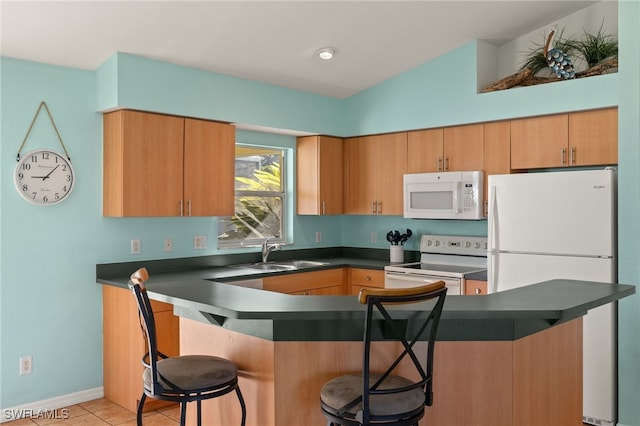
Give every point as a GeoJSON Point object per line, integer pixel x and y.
{"type": "Point", "coordinates": [202, 295]}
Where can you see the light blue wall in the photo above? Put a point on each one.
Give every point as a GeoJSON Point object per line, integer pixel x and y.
{"type": "Point", "coordinates": [158, 86]}
{"type": "Point", "coordinates": [629, 205]}
{"type": "Point", "coordinates": [50, 306]}
{"type": "Point", "coordinates": [444, 92]}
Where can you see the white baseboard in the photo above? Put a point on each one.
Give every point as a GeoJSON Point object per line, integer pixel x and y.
{"type": "Point", "coordinates": [33, 408]}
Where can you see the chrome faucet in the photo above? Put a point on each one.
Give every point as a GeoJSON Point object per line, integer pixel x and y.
{"type": "Point", "coordinates": [266, 249]}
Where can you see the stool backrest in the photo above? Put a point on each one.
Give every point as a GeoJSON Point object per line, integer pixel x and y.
{"type": "Point", "coordinates": [408, 327]}
{"type": "Point", "coordinates": [147, 324]}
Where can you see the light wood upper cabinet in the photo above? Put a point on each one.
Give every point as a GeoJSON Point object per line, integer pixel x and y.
{"type": "Point", "coordinates": [577, 139]}
{"type": "Point", "coordinates": [425, 151]}
{"type": "Point", "coordinates": [593, 137]}
{"type": "Point", "coordinates": [209, 168]}
{"type": "Point", "coordinates": [160, 165]}
{"type": "Point", "coordinates": [143, 164]}
{"type": "Point", "coordinates": [539, 142]}
{"type": "Point", "coordinates": [374, 167]}
{"type": "Point", "coordinates": [458, 148]}
{"type": "Point", "coordinates": [464, 148]}
{"type": "Point", "coordinates": [319, 164]}
{"type": "Point", "coordinates": [497, 153]}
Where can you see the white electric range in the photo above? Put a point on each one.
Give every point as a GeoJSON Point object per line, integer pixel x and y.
{"type": "Point", "coordinates": [442, 257]}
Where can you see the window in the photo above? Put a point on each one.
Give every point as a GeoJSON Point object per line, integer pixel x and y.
{"type": "Point", "coordinates": [259, 200]}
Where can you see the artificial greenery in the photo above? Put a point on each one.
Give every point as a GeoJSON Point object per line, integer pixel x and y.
{"type": "Point", "coordinates": [592, 48]}
{"type": "Point", "coordinates": [536, 61]}
{"type": "Point", "coordinates": [595, 48]}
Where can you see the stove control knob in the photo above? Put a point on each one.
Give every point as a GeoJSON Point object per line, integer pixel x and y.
{"type": "Point", "coordinates": [477, 245]}
{"type": "Point", "coordinates": [429, 242]}
{"type": "Point", "coordinates": [437, 243]}
{"type": "Point", "coordinates": [467, 244]}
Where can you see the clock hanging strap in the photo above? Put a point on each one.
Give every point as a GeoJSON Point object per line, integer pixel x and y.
{"type": "Point", "coordinates": [43, 104]}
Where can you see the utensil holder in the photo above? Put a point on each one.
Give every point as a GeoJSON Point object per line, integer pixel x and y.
{"type": "Point", "coordinates": [396, 253]}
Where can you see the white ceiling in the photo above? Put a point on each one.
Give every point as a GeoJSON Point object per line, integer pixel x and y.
{"type": "Point", "coordinates": [269, 41]}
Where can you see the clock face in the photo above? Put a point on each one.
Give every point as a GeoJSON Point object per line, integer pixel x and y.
{"type": "Point", "coordinates": [44, 177]}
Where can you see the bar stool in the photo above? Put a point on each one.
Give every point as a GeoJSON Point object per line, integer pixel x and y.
{"type": "Point", "coordinates": [183, 378]}
{"type": "Point", "coordinates": [383, 398]}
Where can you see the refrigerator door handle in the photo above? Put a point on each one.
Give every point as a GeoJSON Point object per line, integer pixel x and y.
{"type": "Point", "coordinates": [492, 232]}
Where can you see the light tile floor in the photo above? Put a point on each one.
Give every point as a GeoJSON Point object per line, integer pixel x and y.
{"type": "Point", "coordinates": [101, 412]}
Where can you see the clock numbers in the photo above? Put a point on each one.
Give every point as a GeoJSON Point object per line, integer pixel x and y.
{"type": "Point", "coordinates": [44, 177]}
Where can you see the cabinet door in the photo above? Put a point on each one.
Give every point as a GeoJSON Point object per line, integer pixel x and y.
{"type": "Point", "coordinates": [391, 165]}
{"type": "Point", "coordinates": [143, 164]}
{"type": "Point", "coordinates": [464, 148]}
{"type": "Point", "coordinates": [319, 175]}
{"type": "Point", "coordinates": [359, 278]}
{"type": "Point", "coordinates": [424, 151]}
{"type": "Point", "coordinates": [209, 168]}
{"type": "Point", "coordinates": [539, 142]}
{"type": "Point", "coordinates": [475, 287]}
{"type": "Point", "coordinates": [360, 177]}
{"type": "Point", "coordinates": [304, 282]}
{"type": "Point", "coordinates": [497, 153]}
{"type": "Point", "coordinates": [593, 137]}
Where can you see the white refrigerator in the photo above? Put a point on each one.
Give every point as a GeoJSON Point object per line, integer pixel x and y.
{"type": "Point", "coordinates": [550, 225]}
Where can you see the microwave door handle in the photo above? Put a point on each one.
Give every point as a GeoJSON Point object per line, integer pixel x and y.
{"type": "Point", "coordinates": [457, 197]}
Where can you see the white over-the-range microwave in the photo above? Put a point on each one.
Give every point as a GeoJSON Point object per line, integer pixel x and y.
{"type": "Point", "coordinates": [446, 195]}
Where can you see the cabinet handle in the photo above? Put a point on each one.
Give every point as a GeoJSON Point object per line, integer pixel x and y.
{"type": "Point", "coordinates": [189, 208]}
{"type": "Point", "coordinates": [564, 156]}
{"type": "Point", "coordinates": [367, 278]}
{"type": "Point", "coordinates": [324, 209]}
{"type": "Point", "coordinates": [478, 291]}
{"type": "Point", "coordinates": [373, 207]}
{"type": "Point", "coordinates": [439, 164]}
{"type": "Point", "coordinates": [379, 203]}
{"type": "Point", "coordinates": [573, 155]}
{"type": "Point", "coordinates": [181, 212]}
{"type": "Point", "coordinates": [446, 163]}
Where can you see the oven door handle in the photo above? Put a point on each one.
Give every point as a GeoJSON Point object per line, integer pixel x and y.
{"type": "Point", "coordinates": [411, 277]}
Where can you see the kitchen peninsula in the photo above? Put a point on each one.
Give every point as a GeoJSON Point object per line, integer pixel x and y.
{"type": "Point", "coordinates": [509, 358]}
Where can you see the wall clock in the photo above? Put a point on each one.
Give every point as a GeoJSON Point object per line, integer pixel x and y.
{"type": "Point", "coordinates": [44, 177]}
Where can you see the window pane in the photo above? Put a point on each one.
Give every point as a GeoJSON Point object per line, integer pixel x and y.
{"type": "Point", "coordinates": [259, 198]}
{"type": "Point", "coordinates": [258, 169]}
{"type": "Point", "coordinates": [256, 218]}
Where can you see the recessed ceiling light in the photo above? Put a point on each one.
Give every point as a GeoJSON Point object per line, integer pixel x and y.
{"type": "Point", "coordinates": [326, 53]}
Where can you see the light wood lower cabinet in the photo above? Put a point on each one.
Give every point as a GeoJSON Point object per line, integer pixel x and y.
{"type": "Point", "coordinates": [535, 380]}
{"type": "Point", "coordinates": [124, 346]}
{"type": "Point", "coordinates": [359, 278]}
{"type": "Point", "coordinates": [475, 287]}
{"type": "Point", "coordinates": [325, 282]}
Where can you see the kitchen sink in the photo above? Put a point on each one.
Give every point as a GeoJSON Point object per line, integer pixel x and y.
{"type": "Point", "coordinates": [281, 266]}
{"type": "Point", "coordinates": [299, 264]}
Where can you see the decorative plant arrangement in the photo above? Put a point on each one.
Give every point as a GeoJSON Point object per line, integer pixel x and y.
{"type": "Point", "coordinates": [548, 62]}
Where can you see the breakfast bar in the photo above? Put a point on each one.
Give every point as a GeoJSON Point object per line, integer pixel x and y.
{"type": "Point", "coordinates": [509, 358]}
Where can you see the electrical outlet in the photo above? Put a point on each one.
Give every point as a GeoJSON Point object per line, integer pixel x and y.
{"type": "Point", "coordinates": [318, 236]}
{"type": "Point", "coordinates": [374, 238]}
{"type": "Point", "coordinates": [25, 365]}
{"type": "Point", "coordinates": [135, 246]}
{"type": "Point", "coordinates": [168, 245]}
{"type": "Point", "coordinates": [199, 242]}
